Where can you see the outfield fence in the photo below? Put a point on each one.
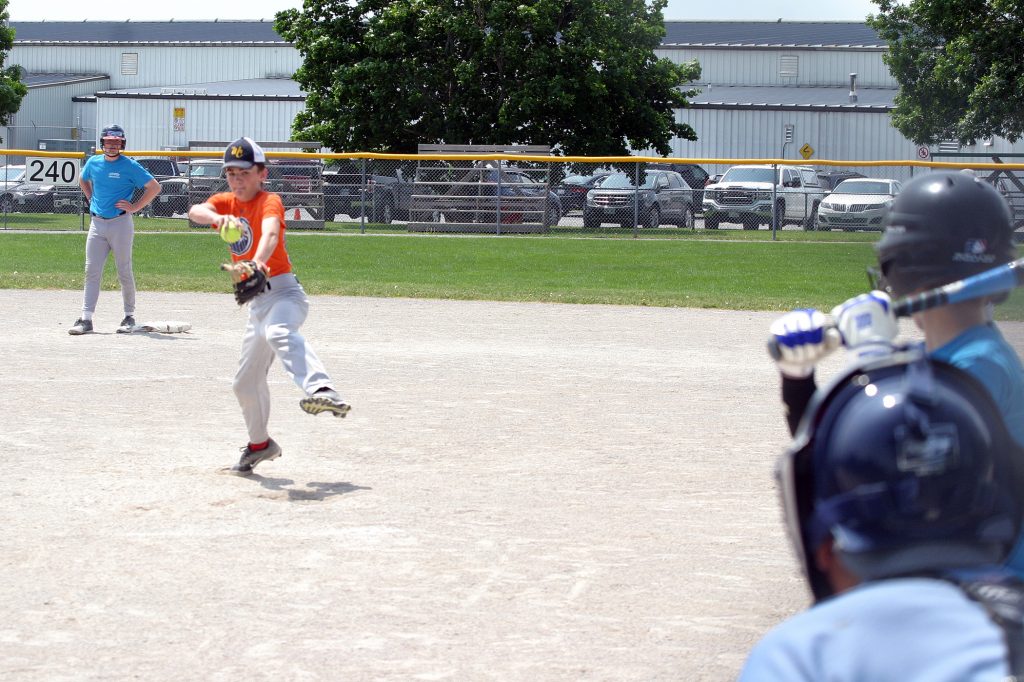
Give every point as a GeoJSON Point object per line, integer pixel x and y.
{"type": "Point", "coordinates": [506, 193]}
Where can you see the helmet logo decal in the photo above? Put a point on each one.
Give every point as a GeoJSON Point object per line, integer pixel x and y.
{"type": "Point", "coordinates": [935, 453]}
{"type": "Point", "coordinates": [974, 251]}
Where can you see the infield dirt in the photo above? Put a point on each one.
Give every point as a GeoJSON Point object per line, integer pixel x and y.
{"type": "Point", "coordinates": [521, 492]}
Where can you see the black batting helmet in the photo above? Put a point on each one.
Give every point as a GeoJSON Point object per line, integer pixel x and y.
{"type": "Point", "coordinates": [942, 227]}
{"type": "Point", "coordinates": [114, 131]}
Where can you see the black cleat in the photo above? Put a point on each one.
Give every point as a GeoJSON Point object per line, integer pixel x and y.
{"type": "Point", "coordinates": [250, 458]}
{"type": "Point", "coordinates": [81, 327]}
{"type": "Point", "coordinates": [126, 325]}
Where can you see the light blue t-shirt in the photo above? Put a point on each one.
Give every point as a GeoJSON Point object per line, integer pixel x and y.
{"type": "Point", "coordinates": [113, 181]}
{"type": "Point", "coordinates": [898, 630]}
{"type": "Point", "coordinates": [982, 352]}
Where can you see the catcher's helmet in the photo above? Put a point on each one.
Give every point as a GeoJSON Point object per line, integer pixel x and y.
{"type": "Point", "coordinates": [942, 227]}
{"type": "Point", "coordinates": [114, 131]}
{"type": "Point", "coordinates": [905, 464]}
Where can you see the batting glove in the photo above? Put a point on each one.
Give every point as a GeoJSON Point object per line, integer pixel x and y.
{"type": "Point", "coordinates": [803, 338]}
{"type": "Point", "coordinates": [867, 325]}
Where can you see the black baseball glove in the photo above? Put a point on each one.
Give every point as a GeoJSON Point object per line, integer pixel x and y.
{"type": "Point", "coordinates": [250, 280]}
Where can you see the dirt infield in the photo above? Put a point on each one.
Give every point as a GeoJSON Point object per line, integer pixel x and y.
{"type": "Point", "coordinates": [521, 492]}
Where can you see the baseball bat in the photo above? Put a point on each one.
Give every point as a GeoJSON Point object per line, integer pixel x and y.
{"type": "Point", "coordinates": [999, 279]}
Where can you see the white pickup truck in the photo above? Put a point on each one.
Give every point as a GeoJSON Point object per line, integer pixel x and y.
{"type": "Point", "coordinates": [744, 195]}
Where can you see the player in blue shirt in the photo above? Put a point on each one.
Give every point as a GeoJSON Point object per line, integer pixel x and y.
{"type": "Point", "coordinates": [942, 228]}
{"type": "Point", "coordinates": [109, 181]}
{"type": "Point", "coordinates": [901, 497]}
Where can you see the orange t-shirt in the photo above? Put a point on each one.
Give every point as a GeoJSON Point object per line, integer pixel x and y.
{"type": "Point", "coordinates": [252, 213]}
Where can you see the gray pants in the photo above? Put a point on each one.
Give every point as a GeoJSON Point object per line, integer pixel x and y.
{"type": "Point", "coordinates": [117, 235]}
{"type": "Point", "coordinates": [273, 331]}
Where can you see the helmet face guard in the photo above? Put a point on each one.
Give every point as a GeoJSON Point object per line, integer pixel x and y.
{"type": "Point", "coordinates": [905, 465]}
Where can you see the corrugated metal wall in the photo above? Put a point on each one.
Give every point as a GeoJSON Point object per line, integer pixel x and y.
{"type": "Point", "coordinates": [747, 66]}
{"type": "Point", "coordinates": [738, 134]}
{"type": "Point", "coordinates": [158, 66]}
{"type": "Point", "coordinates": [47, 112]}
{"type": "Point", "coordinates": [150, 123]}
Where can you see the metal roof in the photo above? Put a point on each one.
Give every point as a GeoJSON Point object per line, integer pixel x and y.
{"type": "Point", "coordinates": [811, 34]}
{"type": "Point", "coordinates": [780, 97]}
{"type": "Point", "coordinates": [250, 88]}
{"type": "Point", "coordinates": [40, 80]}
{"type": "Point", "coordinates": [146, 32]}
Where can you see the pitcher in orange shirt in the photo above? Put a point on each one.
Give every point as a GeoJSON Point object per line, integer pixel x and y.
{"type": "Point", "coordinates": [275, 315]}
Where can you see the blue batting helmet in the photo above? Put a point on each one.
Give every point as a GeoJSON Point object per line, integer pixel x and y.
{"type": "Point", "coordinates": [906, 465]}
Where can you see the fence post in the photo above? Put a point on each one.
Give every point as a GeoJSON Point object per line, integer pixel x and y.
{"type": "Point", "coordinates": [362, 196]}
{"type": "Point", "coordinates": [636, 199]}
{"type": "Point", "coordinates": [775, 194]}
{"type": "Point", "coordinates": [497, 217]}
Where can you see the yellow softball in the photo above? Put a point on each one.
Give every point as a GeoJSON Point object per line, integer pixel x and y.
{"type": "Point", "coordinates": [231, 230]}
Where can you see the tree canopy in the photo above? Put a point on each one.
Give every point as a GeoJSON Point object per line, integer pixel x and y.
{"type": "Point", "coordinates": [960, 67]}
{"type": "Point", "coordinates": [578, 75]}
{"type": "Point", "coordinates": [12, 90]}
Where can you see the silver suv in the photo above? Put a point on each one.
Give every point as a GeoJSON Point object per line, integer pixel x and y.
{"type": "Point", "coordinates": [745, 195]}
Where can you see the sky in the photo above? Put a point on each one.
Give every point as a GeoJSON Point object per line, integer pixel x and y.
{"type": "Point", "coordinates": [205, 10]}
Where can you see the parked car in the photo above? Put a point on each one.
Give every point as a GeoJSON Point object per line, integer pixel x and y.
{"type": "Point", "coordinates": [10, 177]}
{"type": "Point", "coordinates": [476, 195]}
{"type": "Point", "coordinates": [830, 178]}
{"type": "Point", "coordinates": [695, 176]}
{"type": "Point", "coordinates": [300, 184]}
{"type": "Point", "coordinates": [745, 195]}
{"type": "Point", "coordinates": [714, 179]}
{"type": "Point", "coordinates": [33, 197]}
{"type": "Point", "coordinates": [196, 182]}
{"type": "Point", "coordinates": [858, 204]}
{"type": "Point", "coordinates": [663, 197]}
{"type": "Point", "coordinates": [573, 189]}
{"type": "Point", "coordinates": [383, 198]}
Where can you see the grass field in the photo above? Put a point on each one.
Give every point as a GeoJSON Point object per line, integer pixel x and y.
{"type": "Point", "coordinates": [751, 272]}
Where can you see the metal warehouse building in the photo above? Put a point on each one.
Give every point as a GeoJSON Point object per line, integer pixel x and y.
{"type": "Point", "coordinates": [762, 83]}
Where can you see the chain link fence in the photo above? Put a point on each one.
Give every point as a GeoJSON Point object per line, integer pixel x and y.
{"type": "Point", "coordinates": [502, 196]}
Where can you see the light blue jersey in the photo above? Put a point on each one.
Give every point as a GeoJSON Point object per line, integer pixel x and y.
{"type": "Point", "coordinates": [113, 181]}
{"type": "Point", "coordinates": [984, 353]}
{"type": "Point", "coordinates": [903, 630]}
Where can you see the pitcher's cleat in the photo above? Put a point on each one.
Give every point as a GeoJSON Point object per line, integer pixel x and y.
{"type": "Point", "coordinates": [325, 400]}
{"type": "Point", "coordinates": [250, 458]}
{"type": "Point", "coordinates": [81, 327]}
{"type": "Point", "coordinates": [126, 325]}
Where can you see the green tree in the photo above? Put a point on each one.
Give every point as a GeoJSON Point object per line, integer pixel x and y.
{"type": "Point", "coordinates": [960, 67]}
{"type": "Point", "coordinates": [579, 75]}
{"type": "Point", "coordinates": [12, 90]}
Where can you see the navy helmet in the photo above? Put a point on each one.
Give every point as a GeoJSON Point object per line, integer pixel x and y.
{"type": "Point", "coordinates": [906, 465]}
{"type": "Point", "coordinates": [114, 131]}
{"type": "Point", "coordinates": [942, 227]}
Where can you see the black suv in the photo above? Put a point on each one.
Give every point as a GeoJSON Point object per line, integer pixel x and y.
{"type": "Point", "coordinates": [696, 177]}
{"type": "Point", "coordinates": [663, 197]}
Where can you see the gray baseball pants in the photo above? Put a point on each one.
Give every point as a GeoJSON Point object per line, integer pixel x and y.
{"type": "Point", "coordinates": [117, 235]}
{"type": "Point", "coordinates": [273, 331]}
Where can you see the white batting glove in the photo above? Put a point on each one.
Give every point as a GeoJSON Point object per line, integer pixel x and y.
{"type": "Point", "coordinates": [867, 325]}
{"type": "Point", "coordinates": [803, 337]}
